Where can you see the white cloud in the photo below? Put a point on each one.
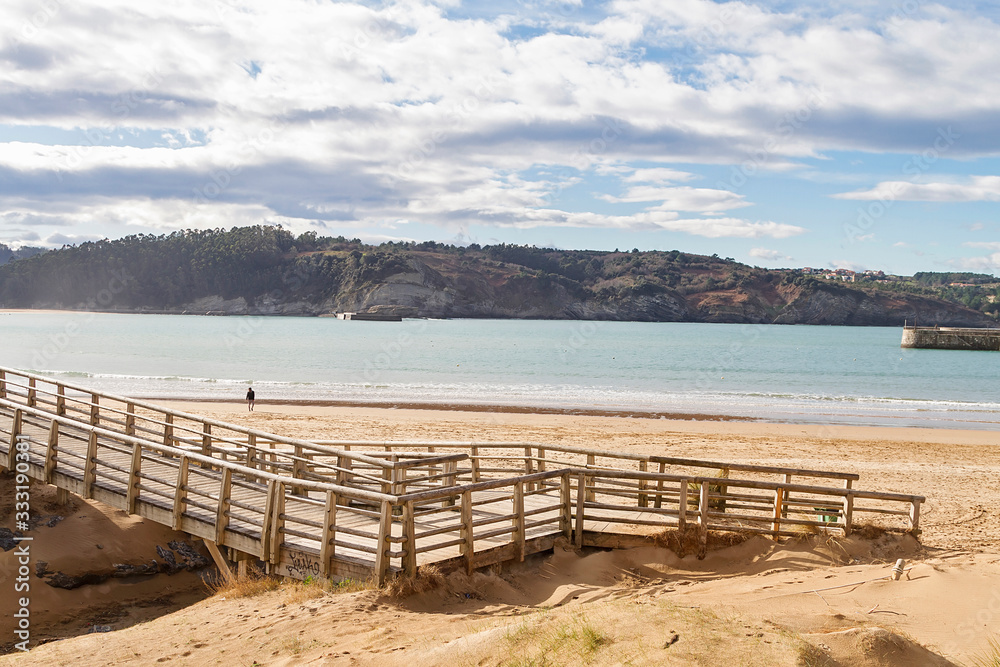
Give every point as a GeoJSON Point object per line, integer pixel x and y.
{"type": "Point", "coordinates": [989, 245]}
{"type": "Point", "coordinates": [770, 255]}
{"type": "Point", "coordinates": [659, 175]}
{"type": "Point", "coordinates": [978, 188]}
{"type": "Point", "coordinates": [339, 110]}
{"type": "Point", "coordinates": [703, 200]}
{"type": "Point", "coordinates": [986, 264]}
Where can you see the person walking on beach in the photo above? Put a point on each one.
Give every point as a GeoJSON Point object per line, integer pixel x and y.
{"type": "Point", "coordinates": [250, 397]}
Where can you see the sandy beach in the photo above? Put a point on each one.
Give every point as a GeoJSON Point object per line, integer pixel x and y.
{"type": "Point", "coordinates": [821, 600]}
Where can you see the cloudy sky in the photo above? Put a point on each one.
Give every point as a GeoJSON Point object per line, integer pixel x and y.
{"type": "Point", "coordinates": [858, 134]}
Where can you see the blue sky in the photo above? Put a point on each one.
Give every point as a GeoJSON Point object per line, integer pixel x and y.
{"type": "Point", "coordinates": [853, 134]}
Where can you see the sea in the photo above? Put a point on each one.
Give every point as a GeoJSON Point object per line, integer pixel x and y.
{"type": "Point", "coordinates": [779, 373]}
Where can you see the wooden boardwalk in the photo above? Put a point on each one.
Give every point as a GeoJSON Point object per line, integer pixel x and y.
{"type": "Point", "coordinates": [364, 509]}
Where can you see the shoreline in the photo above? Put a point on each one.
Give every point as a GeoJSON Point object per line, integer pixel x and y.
{"type": "Point", "coordinates": [477, 407]}
{"type": "Point", "coordinates": [434, 416]}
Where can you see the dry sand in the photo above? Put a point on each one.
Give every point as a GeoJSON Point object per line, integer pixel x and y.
{"type": "Point", "coordinates": [820, 600]}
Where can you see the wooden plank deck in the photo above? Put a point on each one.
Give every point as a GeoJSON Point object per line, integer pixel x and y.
{"type": "Point", "coordinates": [328, 510]}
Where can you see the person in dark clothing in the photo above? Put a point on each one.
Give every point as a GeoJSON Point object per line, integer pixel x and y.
{"type": "Point", "coordinates": [250, 399]}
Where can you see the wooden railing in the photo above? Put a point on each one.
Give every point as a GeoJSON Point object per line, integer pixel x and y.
{"type": "Point", "coordinates": [327, 509]}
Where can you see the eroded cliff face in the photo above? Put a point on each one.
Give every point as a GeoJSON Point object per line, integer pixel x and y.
{"type": "Point", "coordinates": [422, 290]}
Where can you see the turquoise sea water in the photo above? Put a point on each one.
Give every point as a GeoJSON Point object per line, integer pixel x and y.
{"type": "Point", "coordinates": [782, 373]}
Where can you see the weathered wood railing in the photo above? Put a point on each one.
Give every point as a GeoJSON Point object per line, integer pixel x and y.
{"type": "Point", "coordinates": [310, 509]}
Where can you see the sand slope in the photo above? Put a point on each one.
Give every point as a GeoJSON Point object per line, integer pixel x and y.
{"type": "Point", "coordinates": [752, 604]}
{"type": "Point", "coordinates": [824, 601]}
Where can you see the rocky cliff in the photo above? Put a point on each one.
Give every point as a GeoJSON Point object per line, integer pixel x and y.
{"type": "Point", "coordinates": [424, 291]}
{"type": "Point", "coordinates": [266, 271]}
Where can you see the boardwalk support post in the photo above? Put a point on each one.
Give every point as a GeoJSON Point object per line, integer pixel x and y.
{"type": "Point", "coordinates": [90, 466]}
{"type": "Point", "coordinates": [327, 548]}
{"type": "Point", "coordinates": [682, 496]}
{"type": "Point", "coordinates": [132, 493]}
{"type": "Point", "coordinates": [409, 540]}
{"type": "Point", "coordinates": [50, 451]}
{"type": "Point", "coordinates": [703, 519]}
{"type": "Point", "coordinates": [566, 506]}
{"type": "Point", "coordinates": [643, 485]}
{"type": "Point", "coordinates": [220, 561]}
{"type": "Point", "coordinates": [382, 543]}
{"type": "Point", "coordinates": [848, 513]}
{"type": "Point", "coordinates": [779, 497]}
{"type": "Point", "coordinates": [268, 520]}
{"type": "Point", "coordinates": [518, 536]}
{"type": "Point", "coordinates": [222, 512]}
{"type": "Point", "coordinates": [130, 419]}
{"type": "Point", "coordinates": [278, 524]}
{"type": "Point", "coordinates": [468, 540]}
{"type": "Point", "coordinates": [581, 500]}
{"type": "Point", "coordinates": [915, 516]}
{"type": "Point", "coordinates": [180, 492]}
{"type": "Point", "coordinates": [168, 430]}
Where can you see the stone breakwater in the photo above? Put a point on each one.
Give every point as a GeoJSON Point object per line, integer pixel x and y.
{"type": "Point", "coordinates": [951, 338]}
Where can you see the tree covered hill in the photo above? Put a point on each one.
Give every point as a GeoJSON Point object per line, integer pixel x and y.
{"type": "Point", "coordinates": [267, 270]}
{"type": "Point", "coordinates": [8, 254]}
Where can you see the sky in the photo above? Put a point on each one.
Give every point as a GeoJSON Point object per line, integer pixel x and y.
{"type": "Point", "coordinates": [853, 134]}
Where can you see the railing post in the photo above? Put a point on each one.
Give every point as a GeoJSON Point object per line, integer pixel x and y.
{"type": "Point", "coordinates": [343, 474]}
{"type": "Point", "coordinates": [784, 497]}
{"type": "Point", "coordinates": [206, 439]}
{"type": "Point", "coordinates": [591, 464]}
{"type": "Point", "coordinates": [474, 455]}
{"type": "Point", "coordinates": [528, 465]}
{"type": "Point", "coordinates": [388, 480]}
{"type": "Point", "coordinates": [779, 497]}
{"type": "Point", "coordinates": [848, 513]}
{"type": "Point", "coordinates": [327, 548]}
{"type": "Point", "coordinates": [658, 503]}
{"type": "Point", "coordinates": [3, 384]}
{"type": "Point", "coordinates": [132, 493]}
{"type": "Point", "coordinates": [60, 400]}
{"type": "Point", "coordinates": [410, 540]}
{"type": "Point", "coordinates": [581, 500]}
{"type": "Point", "coordinates": [703, 517]}
{"type": "Point", "coordinates": [519, 537]}
{"type": "Point", "coordinates": [90, 467]}
{"type": "Point", "coordinates": [682, 508]}
{"type": "Point", "coordinates": [168, 429]}
{"type": "Point", "coordinates": [915, 517]}
{"type": "Point", "coordinates": [298, 470]}
{"type": "Point", "coordinates": [251, 451]}
{"type": "Point", "coordinates": [468, 540]}
{"type": "Point", "coordinates": [382, 543]}
{"type": "Point", "coordinates": [222, 512]}
{"type": "Point", "coordinates": [267, 520]}
{"type": "Point", "coordinates": [32, 393]}
{"type": "Point", "coordinates": [130, 419]}
{"type": "Point", "coordinates": [95, 410]}
{"type": "Point", "coordinates": [566, 506]}
{"type": "Point", "coordinates": [643, 485]}
{"type": "Point", "coordinates": [50, 451]}
{"type": "Point", "coordinates": [15, 430]}
{"type": "Point", "coordinates": [278, 524]}
{"type": "Point", "coordinates": [180, 491]}
{"type": "Point", "coordinates": [451, 470]}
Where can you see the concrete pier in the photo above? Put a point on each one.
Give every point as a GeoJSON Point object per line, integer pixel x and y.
{"type": "Point", "coordinates": [370, 317]}
{"type": "Point", "coordinates": [951, 338]}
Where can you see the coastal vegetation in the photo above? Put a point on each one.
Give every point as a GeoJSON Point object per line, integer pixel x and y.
{"type": "Point", "coordinates": [268, 270]}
